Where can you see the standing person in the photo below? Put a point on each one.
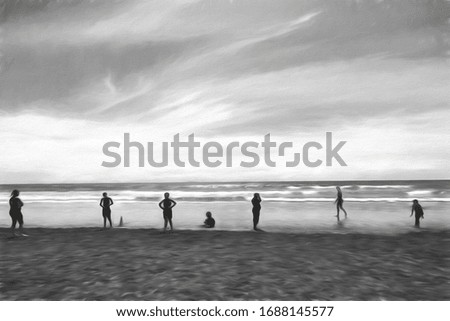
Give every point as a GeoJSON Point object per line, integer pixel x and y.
{"type": "Point", "coordinates": [417, 208]}
{"type": "Point", "coordinates": [256, 202]}
{"type": "Point", "coordinates": [166, 205]}
{"type": "Point", "coordinates": [15, 212]}
{"type": "Point", "coordinates": [339, 202]}
{"type": "Point", "coordinates": [106, 203]}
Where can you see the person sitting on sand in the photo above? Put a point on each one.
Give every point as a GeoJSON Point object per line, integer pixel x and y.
{"type": "Point", "coordinates": [256, 202]}
{"type": "Point", "coordinates": [15, 212]}
{"type": "Point", "coordinates": [106, 203]}
{"type": "Point", "coordinates": [339, 202]}
{"type": "Point", "coordinates": [166, 205]}
{"type": "Point", "coordinates": [417, 208]}
{"type": "Point", "coordinates": [209, 222]}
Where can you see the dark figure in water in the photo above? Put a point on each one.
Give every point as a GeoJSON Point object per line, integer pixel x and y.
{"type": "Point", "coordinates": [209, 222]}
{"type": "Point", "coordinates": [166, 205]}
{"type": "Point", "coordinates": [256, 202]}
{"type": "Point", "coordinates": [339, 202]}
{"type": "Point", "coordinates": [15, 212]}
{"type": "Point", "coordinates": [106, 203]}
{"type": "Point", "coordinates": [417, 208]}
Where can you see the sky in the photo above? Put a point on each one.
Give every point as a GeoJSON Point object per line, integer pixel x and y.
{"type": "Point", "coordinates": [75, 75]}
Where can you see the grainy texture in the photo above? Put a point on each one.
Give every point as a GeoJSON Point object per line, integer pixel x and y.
{"type": "Point", "coordinates": [122, 264]}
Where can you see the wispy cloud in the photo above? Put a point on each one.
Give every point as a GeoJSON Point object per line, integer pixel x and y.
{"type": "Point", "coordinates": [75, 74]}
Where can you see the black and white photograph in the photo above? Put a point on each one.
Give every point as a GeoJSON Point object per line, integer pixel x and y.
{"type": "Point", "coordinates": [225, 150]}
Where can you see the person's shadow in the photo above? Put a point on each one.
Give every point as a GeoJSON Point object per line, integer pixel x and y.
{"type": "Point", "coordinates": [340, 225]}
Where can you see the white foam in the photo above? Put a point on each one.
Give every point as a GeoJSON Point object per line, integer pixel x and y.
{"type": "Point", "coordinates": [412, 193]}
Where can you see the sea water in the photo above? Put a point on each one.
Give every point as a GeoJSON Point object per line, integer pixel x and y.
{"type": "Point", "coordinates": [303, 207]}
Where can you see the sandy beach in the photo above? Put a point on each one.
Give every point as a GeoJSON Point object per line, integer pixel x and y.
{"type": "Point", "coordinates": [143, 264]}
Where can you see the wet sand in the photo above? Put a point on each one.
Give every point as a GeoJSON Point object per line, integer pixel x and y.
{"type": "Point", "coordinates": [143, 264]}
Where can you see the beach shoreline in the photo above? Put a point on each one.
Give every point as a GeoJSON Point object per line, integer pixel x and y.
{"type": "Point", "coordinates": [146, 264]}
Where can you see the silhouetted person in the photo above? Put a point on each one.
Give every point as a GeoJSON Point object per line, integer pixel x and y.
{"type": "Point", "coordinates": [418, 210]}
{"type": "Point", "coordinates": [166, 205]}
{"type": "Point", "coordinates": [209, 222]}
{"type": "Point", "coordinates": [15, 212]}
{"type": "Point", "coordinates": [106, 203]}
{"type": "Point", "coordinates": [339, 202]}
{"type": "Point", "coordinates": [256, 202]}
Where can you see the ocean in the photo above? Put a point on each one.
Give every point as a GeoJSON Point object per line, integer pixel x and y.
{"type": "Point", "coordinates": [304, 207]}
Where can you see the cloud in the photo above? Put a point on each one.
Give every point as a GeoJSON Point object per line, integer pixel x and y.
{"type": "Point", "coordinates": [224, 70]}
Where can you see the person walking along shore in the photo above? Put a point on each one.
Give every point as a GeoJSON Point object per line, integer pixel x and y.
{"type": "Point", "coordinates": [418, 210]}
{"type": "Point", "coordinates": [339, 203]}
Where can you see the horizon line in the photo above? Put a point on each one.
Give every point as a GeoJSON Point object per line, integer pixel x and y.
{"type": "Point", "coordinates": [235, 182]}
